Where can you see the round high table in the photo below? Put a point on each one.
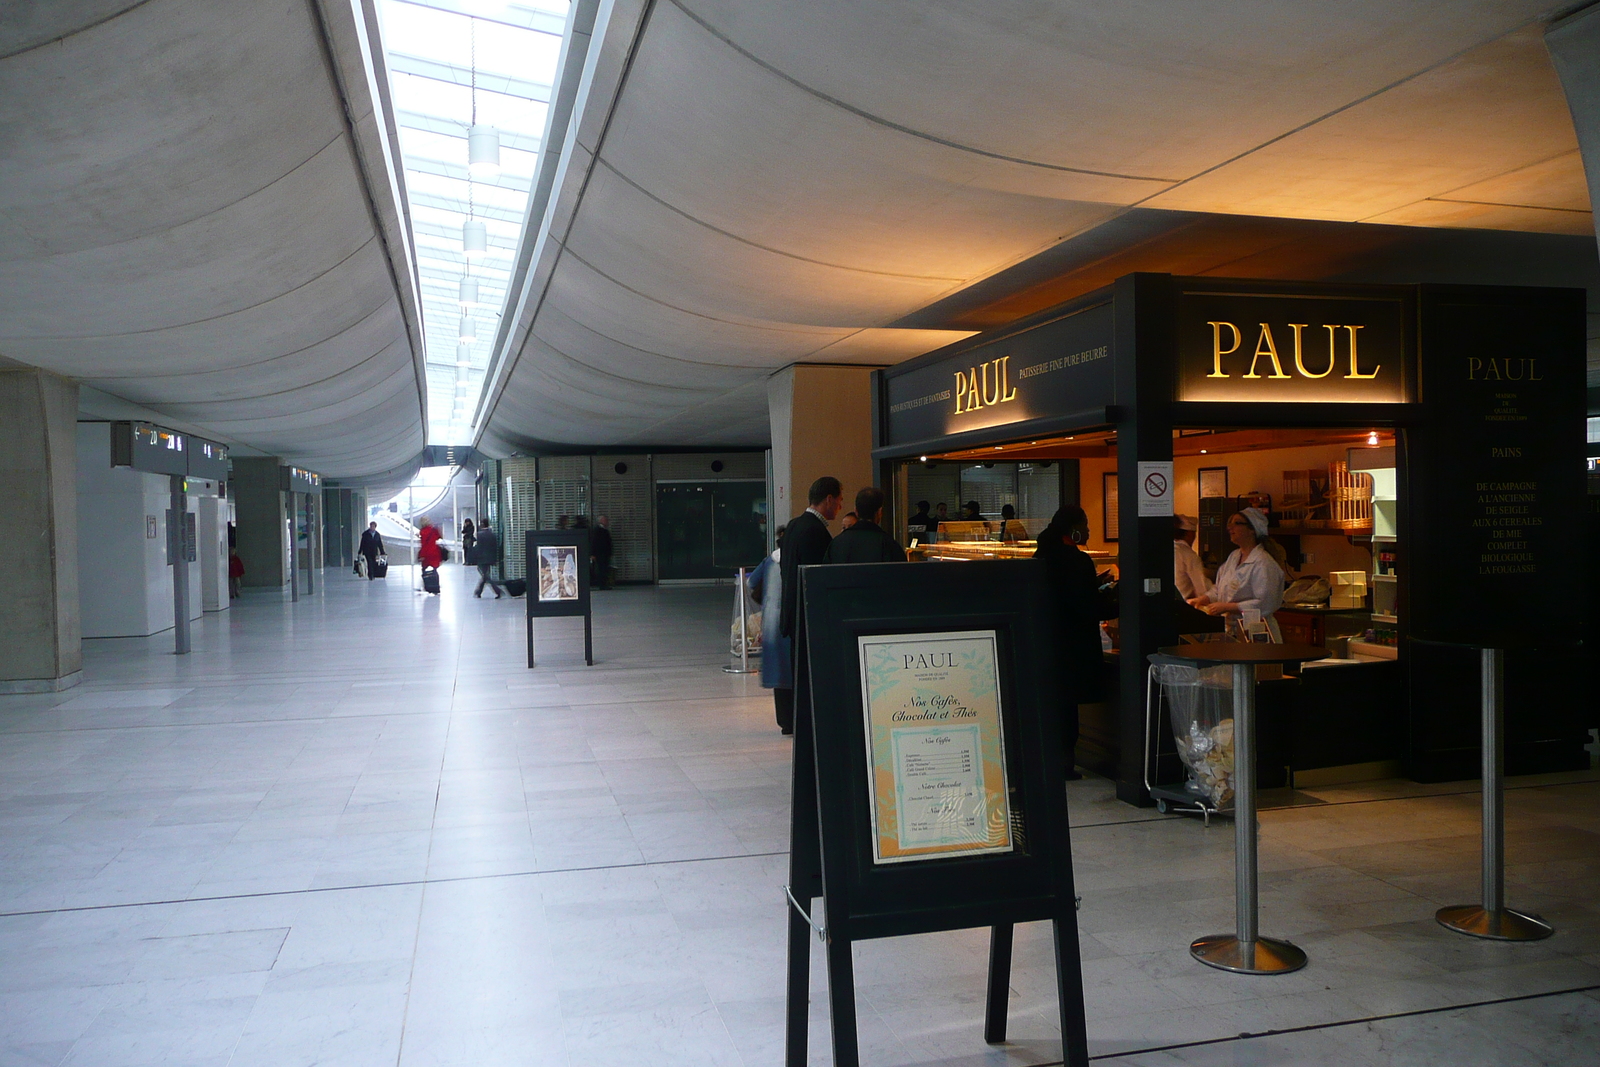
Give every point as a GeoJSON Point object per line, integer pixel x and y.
{"type": "Point", "coordinates": [1245, 951]}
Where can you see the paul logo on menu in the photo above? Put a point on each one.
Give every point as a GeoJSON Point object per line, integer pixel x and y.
{"type": "Point", "coordinates": [986, 385]}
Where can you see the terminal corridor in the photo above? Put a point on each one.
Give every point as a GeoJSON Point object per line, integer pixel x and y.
{"type": "Point", "coordinates": [357, 830]}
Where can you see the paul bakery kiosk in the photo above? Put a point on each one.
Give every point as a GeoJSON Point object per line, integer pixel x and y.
{"type": "Point", "coordinates": [1420, 448]}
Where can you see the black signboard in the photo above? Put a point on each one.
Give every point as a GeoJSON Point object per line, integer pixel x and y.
{"type": "Point", "coordinates": [298, 480]}
{"type": "Point", "coordinates": [927, 782]}
{"type": "Point", "coordinates": [1275, 347]}
{"type": "Point", "coordinates": [557, 570]}
{"type": "Point", "coordinates": [1057, 367]}
{"type": "Point", "coordinates": [207, 459]}
{"type": "Point", "coordinates": [149, 448]}
{"type": "Point", "coordinates": [1497, 482]}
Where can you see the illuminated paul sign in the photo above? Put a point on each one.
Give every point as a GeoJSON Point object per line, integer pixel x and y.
{"type": "Point", "coordinates": [1272, 348]}
{"type": "Point", "coordinates": [984, 386]}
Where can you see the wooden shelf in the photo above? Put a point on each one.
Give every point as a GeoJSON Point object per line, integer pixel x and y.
{"type": "Point", "coordinates": [1329, 531]}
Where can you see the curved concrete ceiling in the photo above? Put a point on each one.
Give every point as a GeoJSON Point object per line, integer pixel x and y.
{"type": "Point", "coordinates": [198, 215]}
{"type": "Point", "coordinates": [748, 183]}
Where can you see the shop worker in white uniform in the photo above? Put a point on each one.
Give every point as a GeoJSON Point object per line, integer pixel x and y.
{"type": "Point", "coordinates": [1188, 573]}
{"type": "Point", "coordinates": [1252, 577]}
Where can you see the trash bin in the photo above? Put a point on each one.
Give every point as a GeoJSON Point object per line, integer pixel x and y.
{"type": "Point", "coordinates": [1199, 705]}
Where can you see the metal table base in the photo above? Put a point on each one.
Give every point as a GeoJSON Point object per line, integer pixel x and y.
{"type": "Point", "coordinates": [1246, 951]}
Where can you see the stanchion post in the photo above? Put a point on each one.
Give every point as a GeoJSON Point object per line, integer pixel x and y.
{"type": "Point", "coordinates": [744, 631]}
{"type": "Point", "coordinates": [1247, 952]}
{"type": "Point", "coordinates": [1492, 919]}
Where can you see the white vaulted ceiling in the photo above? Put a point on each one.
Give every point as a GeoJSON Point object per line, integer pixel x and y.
{"type": "Point", "coordinates": [197, 216]}
{"type": "Point", "coordinates": [749, 183]}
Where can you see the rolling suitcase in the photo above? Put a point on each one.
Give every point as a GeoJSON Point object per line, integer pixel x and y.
{"type": "Point", "coordinates": [430, 580]}
{"type": "Point", "coordinates": [516, 586]}
{"type": "Point", "coordinates": [380, 567]}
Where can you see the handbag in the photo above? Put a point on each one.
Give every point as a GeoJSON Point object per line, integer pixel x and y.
{"type": "Point", "coordinates": [444, 554]}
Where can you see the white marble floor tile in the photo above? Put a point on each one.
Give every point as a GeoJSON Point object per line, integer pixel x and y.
{"type": "Point", "coordinates": [282, 850]}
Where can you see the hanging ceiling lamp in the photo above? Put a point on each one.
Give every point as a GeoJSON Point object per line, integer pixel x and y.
{"type": "Point", "coordinates": [463, 355]}
{"type": "Point", "coordinates": [469, 292]}
{"type": "Point", "coordinates": [469, 329]}
{"type": "Point", "coordinates": [474, 239]}
{"type": "Point", "coordinates": [483, 151]}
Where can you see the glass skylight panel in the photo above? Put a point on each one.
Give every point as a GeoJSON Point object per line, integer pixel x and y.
{"type": "Point", "coordinates": [453, 62]}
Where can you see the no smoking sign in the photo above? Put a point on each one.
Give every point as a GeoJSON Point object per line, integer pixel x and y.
{"type": "Point", "coordinates": [1155, 489]}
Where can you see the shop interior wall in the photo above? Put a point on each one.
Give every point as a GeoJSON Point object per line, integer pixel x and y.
{"type": "Point", "coordinates": [1262, 471]}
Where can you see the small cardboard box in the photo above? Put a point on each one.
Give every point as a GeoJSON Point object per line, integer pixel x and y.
{"type": "Point", "coordinates": [1349, 589]}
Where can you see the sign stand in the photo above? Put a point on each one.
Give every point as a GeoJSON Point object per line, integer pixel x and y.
{"type": "Point", "coordinates": [1492, 919]}
{"type": "Point", "coordinates": [557, 568]}
{"type": "Point", "coordinates": [959, 819]}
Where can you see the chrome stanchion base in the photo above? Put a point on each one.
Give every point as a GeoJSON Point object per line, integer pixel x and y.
{"type": "Point", "coordinates": [1506, 925]}
{"type": "Point", "coordinates": [740, 670]}
{"type": "Point", "coordinates": [1265, 956]}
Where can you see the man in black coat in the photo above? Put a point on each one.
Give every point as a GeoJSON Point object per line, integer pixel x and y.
{"type": "Point", "coordinates": [805, 542]}
{"type": "Point", "coordinates": [866, 541]}
{"type": "Point", "coordinates": [371, 547]}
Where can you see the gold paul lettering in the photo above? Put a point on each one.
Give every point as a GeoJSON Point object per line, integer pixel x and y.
{"type": "Point", "coordinates": [1524, 369]}
{"type": "Point", "coordinates": [984, 385]}
{"type": "Point", "coordinates": [1355, 371]}
{"type": "Point", "coordinates": [1266, 346]}
{"type": "Point", "coordinates": [1299, 359]}
{"type": "Point", "coordinates": [1217, 351]}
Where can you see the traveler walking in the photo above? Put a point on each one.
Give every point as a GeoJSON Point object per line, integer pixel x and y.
{"type": "Point", "coordinates": [430, 554]}
{"type": "Point", "coordinates": [866, 541]}
{"type": "Point", "coordinates": [600, 548]}
{"type": "Point", "coordinates": [371, 548]}
{"type": "Point", "coordinates": [805, 542]}
{"type": "Point", "coordinates": [486, 554]}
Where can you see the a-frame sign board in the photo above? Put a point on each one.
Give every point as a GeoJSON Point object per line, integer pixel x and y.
{"type": "Point", "coordinates": [928, 790]}
{"type": "Point", "coordinates": [557, 566]}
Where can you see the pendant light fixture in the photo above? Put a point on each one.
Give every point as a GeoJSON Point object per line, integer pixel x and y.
{"type": "Point", "coordinates": [474, 239]}
{"type": "Point", "coordinates": [463, 355]}
{"type": "Point", "coordinates": [469, 292]}
{"type": "Point", "coordinates": [469, 330]}
{"type": "Point", "coordinates": [483, 151]}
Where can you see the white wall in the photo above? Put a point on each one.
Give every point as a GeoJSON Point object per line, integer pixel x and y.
{"type": "Point", "coordinates": [125, 584]}
{"type": "Point", "coordinates": [211, 552]}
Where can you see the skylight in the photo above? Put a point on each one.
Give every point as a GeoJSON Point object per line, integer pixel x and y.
{"type": "Point", "coordinates": [456, 65]}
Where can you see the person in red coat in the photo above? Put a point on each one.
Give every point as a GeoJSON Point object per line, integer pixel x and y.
{"type": "Point", "coordinates": [429, 555]}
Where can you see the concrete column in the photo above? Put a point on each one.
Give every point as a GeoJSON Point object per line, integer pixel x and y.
{"type": "Point", "coordinates": [1574, 45]}
{"type": "Point", "coordinates": [43, 648]}
{"type": "Point", "coordinates": [821, 418]}
{"type": "Point", "coordinates": [261, 521]}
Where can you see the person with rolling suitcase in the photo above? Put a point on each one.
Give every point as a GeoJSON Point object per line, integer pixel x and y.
{"type": "Point", "coordinates": [430, 556]}
{"type": "Point", "coordinates": [488, 554]}
{"type": "Point", "coordinates": [371, 549]}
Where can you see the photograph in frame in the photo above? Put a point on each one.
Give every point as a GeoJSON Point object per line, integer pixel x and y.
{"type": "Point", "coordinates": [558, 572]}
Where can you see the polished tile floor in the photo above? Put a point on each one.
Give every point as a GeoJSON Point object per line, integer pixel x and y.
{"type": "Point", "coordinates": [357, 830]}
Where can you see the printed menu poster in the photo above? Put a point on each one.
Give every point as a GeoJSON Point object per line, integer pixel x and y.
{"type": "Point", "coordinates": [934, 745]}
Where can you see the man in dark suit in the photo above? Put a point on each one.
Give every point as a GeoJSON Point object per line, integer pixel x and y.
{"type": "Point", "coordinates": [805, 542]}
{"type": "Point", "coordinates": [866, 541]}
